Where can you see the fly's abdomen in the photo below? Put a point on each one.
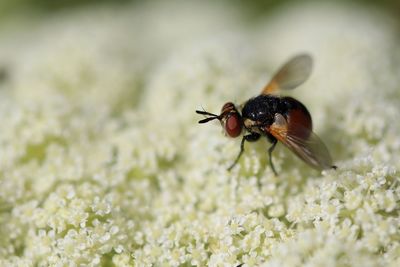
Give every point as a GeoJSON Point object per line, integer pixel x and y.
{"type": "Point", "coordinates": [297, 117]}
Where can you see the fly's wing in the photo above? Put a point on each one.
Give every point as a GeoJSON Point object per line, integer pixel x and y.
{"type": "Point", "coordinates": [303, 142]}
{"type": "Point", "coordinates": [292, 74]}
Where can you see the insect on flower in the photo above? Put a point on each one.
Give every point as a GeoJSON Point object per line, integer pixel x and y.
{"type": "Point", "coordinates": [278, 118]}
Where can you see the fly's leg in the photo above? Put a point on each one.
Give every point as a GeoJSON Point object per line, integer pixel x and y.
{"type": "Point", "coordinates": [270, 149]}
{"type": "Point", "coordinates": [252, 137]}
{"type": "Point", "coordinates": [240, 153]}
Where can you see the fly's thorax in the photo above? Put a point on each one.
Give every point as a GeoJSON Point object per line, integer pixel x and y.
{"type": "Point", "coordinates": [253, 126]}
{"type": "Point", "coordinates": [261, 109]}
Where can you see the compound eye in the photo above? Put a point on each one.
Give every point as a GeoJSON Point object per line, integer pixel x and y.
{"type": "Point", "coordinates": [233, 125]}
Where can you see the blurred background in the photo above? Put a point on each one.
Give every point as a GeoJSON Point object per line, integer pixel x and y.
{"type": "Point", "coordinates": [106, 92]}
{"type": "Point", "coordinates": [252, 10]}
{"type": "Point", "coordinates": [146, 55]}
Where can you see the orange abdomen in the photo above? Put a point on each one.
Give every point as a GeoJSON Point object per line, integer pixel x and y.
{"type": "Point", "coordinates": [298, 118]}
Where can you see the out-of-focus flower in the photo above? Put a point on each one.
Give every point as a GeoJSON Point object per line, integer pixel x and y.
{"type": "Point", "coordinates": [102, 161]}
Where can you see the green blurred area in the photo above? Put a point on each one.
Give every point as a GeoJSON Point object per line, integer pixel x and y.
{"type": "Point", "coordinates": [253, 9]}
{"type": "Point", "coordinates": [259, 7]}
{"type": "Point", "coordinates": [15, 7]}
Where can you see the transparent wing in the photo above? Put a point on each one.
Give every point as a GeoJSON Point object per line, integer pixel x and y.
{"type": "Point", "coordinates": [303, 142]}
{"type": "Point", "coordinates": [292, 74]}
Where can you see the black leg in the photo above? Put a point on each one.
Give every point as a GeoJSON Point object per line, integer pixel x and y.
{"type": "Point", "coordinates": [270, 155]}
{"type": "Point", "coordinates": [239, 155]}
{"type": "Point", "coordinates": [252, 137]}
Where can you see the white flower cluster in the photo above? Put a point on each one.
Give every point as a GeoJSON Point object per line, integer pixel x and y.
{"type": "Point", "coordinates": [102, 162]}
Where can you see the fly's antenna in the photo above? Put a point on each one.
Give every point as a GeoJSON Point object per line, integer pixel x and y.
{"type": "Point", "coordinates": [210, 118]}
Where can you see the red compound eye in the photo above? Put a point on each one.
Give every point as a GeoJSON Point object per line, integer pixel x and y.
{"type": "Point", "coordinates": [233, 125]}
